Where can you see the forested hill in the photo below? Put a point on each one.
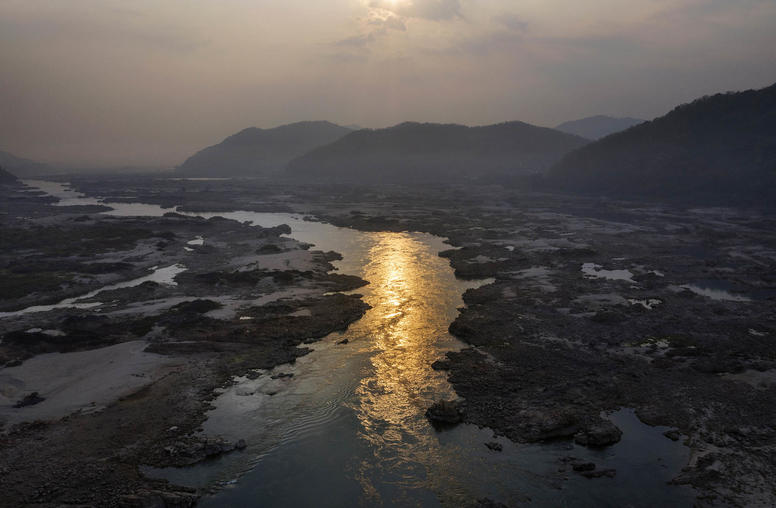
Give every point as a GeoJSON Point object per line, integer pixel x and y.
{"type": "Point", "coordinates": [718, 148]}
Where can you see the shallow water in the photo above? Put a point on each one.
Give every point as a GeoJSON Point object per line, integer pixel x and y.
{"type": "Point", "coordinates": [165, 276]}
{"type": "Point", "coordinates": [70, 197]}
{"type": "Point", "coordinates": [349, 427]}
{"type": "Point", "coordinates": [716, 289]}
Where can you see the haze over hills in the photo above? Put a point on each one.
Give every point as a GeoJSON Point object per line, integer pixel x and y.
{"type": "Point", "coordinates": [721, 147]}
{"type": "Point", "coordinates": [6, 177]}
{"type": "Point", "coordinates": [260, 152]}
{"type": "Point", "coordinates": [597, 127]}
{"type": "Point", "coordinates": [415, 152]}
{"type": "Point", "coordinates": [22, 167]}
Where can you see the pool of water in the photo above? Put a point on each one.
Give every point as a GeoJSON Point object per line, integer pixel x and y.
{"type": "Point", "coordinates": [348, 428]}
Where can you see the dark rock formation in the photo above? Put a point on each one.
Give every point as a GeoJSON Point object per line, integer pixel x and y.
{"type": "Point", "coordinates": [604, 433]}
{"type": "Point", "coordinates": [445, 412]}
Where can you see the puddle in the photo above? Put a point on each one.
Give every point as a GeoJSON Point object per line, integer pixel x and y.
{"type": "Point", "coordinates": [647, 303]}
{"type": "Point", "coordinates": [594, 271]}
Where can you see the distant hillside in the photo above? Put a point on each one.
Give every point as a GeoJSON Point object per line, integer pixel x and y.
{"type": "Point", "coordinates": [256, 152]}
{"type": "Point", "coordinates": [721, 148]}
{"type": "Point", "coordinates": [597, 127]}
{"type": "Point", "coordinates": [6, 177]}
{"type": "Point", "coordinates": [22, 167]}
{"type": "Point", "coordinates": [430, 152]}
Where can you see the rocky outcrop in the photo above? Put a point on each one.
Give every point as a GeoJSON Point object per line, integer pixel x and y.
{"type": "Point", "coordinates": [445, 412]}
{"type": "Point", "coordinates": [604, 433]}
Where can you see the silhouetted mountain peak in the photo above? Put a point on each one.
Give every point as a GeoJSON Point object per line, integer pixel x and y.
{"type": "Point", "coordinates": [6, 177]}
{"type": "Point", "coordinates": [22, 167]}
{"type": "Point", "coordinates": [413, 151]}
{"type": "Point", "coordinates": [256, 152]}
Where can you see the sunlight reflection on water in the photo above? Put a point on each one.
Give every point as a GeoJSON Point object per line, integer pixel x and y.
{"type": "Point", "coordinates": [411, 311]}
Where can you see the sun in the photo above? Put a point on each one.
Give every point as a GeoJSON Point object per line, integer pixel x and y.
{"type": "Point", "coordinates": [386, 5]}
{"type": "Point", "coordinates": [393, 4]}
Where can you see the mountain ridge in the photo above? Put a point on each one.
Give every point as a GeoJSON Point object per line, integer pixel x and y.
{"type": "Point", "coordinates": [598, 126]}
{"type": "Point", "coordinates": [22, 167]}
{"type": "Point", "coordinates": [6, 177]}
{"type": "Point", "coordinates": [260, 152]}
{"type": "Point", "coordinates": [414, 151]}
{"type": "Point", "coordinates": [721, 146]}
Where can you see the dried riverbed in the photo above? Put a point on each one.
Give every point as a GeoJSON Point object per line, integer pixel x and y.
{"type": "Point", "coordinates": [594, 310]}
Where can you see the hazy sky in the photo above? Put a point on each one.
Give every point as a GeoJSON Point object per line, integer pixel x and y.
{"type": "Point", "coordinates": [150, 81]}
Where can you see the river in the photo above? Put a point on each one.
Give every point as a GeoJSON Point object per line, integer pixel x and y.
{"type": "Point", "coordinates": [348, 428]}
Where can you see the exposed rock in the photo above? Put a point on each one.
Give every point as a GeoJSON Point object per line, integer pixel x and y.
{"type": "Point", "coordinates": [488, 503]}
{"type": "Point", "coordinates": [190, 451]}
{"type": "Point", "coordinates": [538, 425]}
{"type": "Point", "coordinates": [493, 445]}
{"type": "Point", "coordinates": [600, 473]}
{"type": "Point", "coordinates": [441, 365]}
{"type": "Point", "coordinates": [583, 466]}
{"type": "Point", "coordinates": [604, 433]}
{"type": "Point", "coordinates": [445, 412]}
{"type": "Point", "coordinates": [607, 317]}
{"type": "Point", "coordinates": [158, 499]}
{"type": "Point", "coordinates": [29, 400]}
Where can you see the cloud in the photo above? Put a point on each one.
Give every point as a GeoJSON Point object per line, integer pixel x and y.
{"type": "Point", "coordinates": [386, 16]}
{"type": "Point", "coordinates": [386, 19]}
{"type": "Point", "coordinates": [435, 10]}
{"type": "Point", "coordinates": [512, 22]}
{"type": "Point", "coordinates": [356, 41]}
{"type": "Point", "coordinates": [505, 33]}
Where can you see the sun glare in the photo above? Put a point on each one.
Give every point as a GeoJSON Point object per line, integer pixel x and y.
{"type": "Point", "coordinates": [393, 4]}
